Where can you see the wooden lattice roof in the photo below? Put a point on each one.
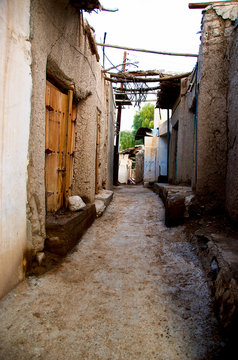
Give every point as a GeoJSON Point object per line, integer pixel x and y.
{"type": "Point", "coordinates": [168, 93]}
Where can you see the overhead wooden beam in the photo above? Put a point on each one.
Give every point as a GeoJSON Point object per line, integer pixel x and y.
{"type": "Point", "coordinates": [147, 93]}
{"type": "Point", "coordinates": [136, 79]}
{"type": "Point", "coordinates": [145, 73]}
{"type": "Point", "coordinates": [110, 10]}
{"type": "Point", "coordinates": [203, 5]}
{"type": "Point", "coordinates": [137, 90]}
{"type": "Point", "coordinates": [125, 80]}
{"type": "Point", "coordinates": [147, 51]}
{"type": "Point", "coordinates": [132, 74]}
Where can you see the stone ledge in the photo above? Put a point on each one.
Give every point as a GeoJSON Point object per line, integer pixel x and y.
{"type": "Point", "coordinates": [177, 200]}
{"type": "Point", "coordinates": [218, 253]}
{"type": "Point", "coordinates": [64, 230]}
{"type": "Point", "coordinates": [102, 200]}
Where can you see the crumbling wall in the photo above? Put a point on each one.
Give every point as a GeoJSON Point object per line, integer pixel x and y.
{"type": "Point", "coordinates": [61, 51]}
{"type": "Point", "coordinates": [232, 154]}
{"type": "Point", "coordinates": [213, 64]}
{"type": "Point", "coordinates": [15, 105]}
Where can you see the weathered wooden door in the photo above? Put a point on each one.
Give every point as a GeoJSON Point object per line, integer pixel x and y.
{"type": "Point", "coordinates": [59, 146]}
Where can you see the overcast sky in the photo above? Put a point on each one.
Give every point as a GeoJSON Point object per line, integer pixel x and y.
{"type": "Point", "coordinates": [161, 25]}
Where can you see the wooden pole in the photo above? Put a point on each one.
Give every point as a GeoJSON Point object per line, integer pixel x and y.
{"type": "Point", "coordinates": [116, 150]}
{"type": "Point", "coordinates": [203, 5]}
{"type": "Point", "coordinates": [103, 50]}
{"type": "Point", "coordinates": [114, 67]}
{"type": "Point", "coordinates": [138, 79]}
{"type": "Point", "coordinates": [131, 79]}
{"type": "Point", "coordinates": [148, 51]}
{"type": "Point", "coordinates": [135, 73]}
{"type": "Point", "coordinates": [138, 90]}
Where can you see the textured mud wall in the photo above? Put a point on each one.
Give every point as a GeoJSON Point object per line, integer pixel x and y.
{"type": "Point", "coordinates": [139, 166]}
{"type": "Point", "coordinates": [232, 155]}
{"type": "Point", "coordinates": [111, 132]}
{"type": "Point", "coordinates": [174, 122]}
{"type": "Point", "coordinates": [212, 107]}
{"type": "Point", "coordinates": [185, 139]}
{"type": "Point", "coordinates": [60, 47]}
{"type": "Point", "coordinates": [15, 105]}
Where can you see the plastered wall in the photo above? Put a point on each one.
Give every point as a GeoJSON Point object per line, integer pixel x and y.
{"type": "Point", "coordinates": [60, 48]}
{"type": "Point", "coordinates": [185, 141]}
{"type": "Point", "coordinates": [213, 65]}
{"type": "Point", "coordinates": [15, 107]}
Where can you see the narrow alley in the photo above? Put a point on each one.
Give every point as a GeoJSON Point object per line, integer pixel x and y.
{"type": "Point", "coordinates": [131, 289]}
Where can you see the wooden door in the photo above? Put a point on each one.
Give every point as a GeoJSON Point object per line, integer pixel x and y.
{"type": "Point", "coordinates": [59, 147]}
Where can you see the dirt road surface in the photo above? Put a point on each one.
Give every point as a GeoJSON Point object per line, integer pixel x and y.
{"type": "Point", "coordinates": [131, 290]}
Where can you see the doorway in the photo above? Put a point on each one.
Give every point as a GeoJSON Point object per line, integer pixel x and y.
{"type": "Point", "coordinates": [59, 146]}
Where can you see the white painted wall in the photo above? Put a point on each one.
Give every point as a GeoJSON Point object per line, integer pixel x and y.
{"type": "Point", "coordinates": [15, 108]}
{"type": "Point", "coordinates": [124, 168]}
{"type": "Point", "coordinates": [163, 156]}
{"type": "Point", "coordinates": [151, 159]}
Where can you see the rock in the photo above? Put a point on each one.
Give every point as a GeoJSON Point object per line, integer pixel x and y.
{"type": "Point", "coordinates": [105, 196]}
{"type": "Point", "coordinates": [76, 203]}
{"type": "Point", "coordinates": [40, 257]}
{"type": "Point", "coordinates": [100, 207]}
{"type": "Point", "coordinates": [174, 210]}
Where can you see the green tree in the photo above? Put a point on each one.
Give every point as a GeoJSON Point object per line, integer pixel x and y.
{"type": "Point", "coordinates": [144, 118]}
{"type": "Point", "coordinates": [127, 140]}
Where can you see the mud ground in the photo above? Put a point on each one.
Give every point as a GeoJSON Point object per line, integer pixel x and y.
{"type": "Point", "coordinates": [131, 290]}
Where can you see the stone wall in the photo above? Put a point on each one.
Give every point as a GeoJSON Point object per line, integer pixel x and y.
{"type": "Point", "coordinates": [15, 105]}
{"type": "Point", "coordinates": [232, 154]}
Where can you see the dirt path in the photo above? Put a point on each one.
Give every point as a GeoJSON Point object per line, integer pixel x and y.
{"type": "Point", "coordinates": [132, 290]}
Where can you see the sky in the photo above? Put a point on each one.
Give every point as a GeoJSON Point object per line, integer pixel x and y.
{"type": "Point", "coordinates": [148, 24]}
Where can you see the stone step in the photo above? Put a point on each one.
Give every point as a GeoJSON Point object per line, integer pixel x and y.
{"type": "Point", "coordinates": [177, 200]}
{"type": "Point", "coordinates": [65, 230]}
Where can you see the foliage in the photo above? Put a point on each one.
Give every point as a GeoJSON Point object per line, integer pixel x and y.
{"type": "Point", "coordinates": [143, 118]}
{"type": "Point", "coordinates": [127, 140]}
